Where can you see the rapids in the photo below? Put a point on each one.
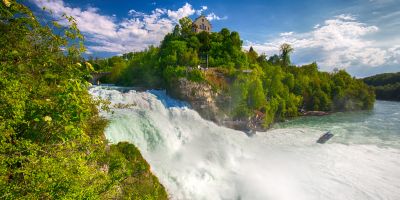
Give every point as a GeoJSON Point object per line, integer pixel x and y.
{"type": "Point", "coordinates": [197, 159]}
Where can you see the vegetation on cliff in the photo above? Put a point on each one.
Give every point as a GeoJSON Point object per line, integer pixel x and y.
{"type": "Point", "coordinates": [52, 144]}
{"type": "Point", "coordinates": [387, 85]}
{"type": "Point", "coordinates": [254, 82]}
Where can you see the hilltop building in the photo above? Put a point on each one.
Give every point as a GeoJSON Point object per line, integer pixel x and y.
{"type": "Point", "coordinates": [202, 24]}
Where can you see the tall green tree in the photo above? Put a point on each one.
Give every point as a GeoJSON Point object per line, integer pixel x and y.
{"type": "Point", "coordinates": [177, 31]}
{"type": "Point", "coordinates": [253, 56]}
{"type": "Point", "coordinates": [256, 96]}
{"type": "Point", "coordinates": [285, 50]}
{"type": "Point", "coordinates": [186, 26]}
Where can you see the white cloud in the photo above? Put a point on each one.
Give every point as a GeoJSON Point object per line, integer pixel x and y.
{"type": "Point", "coordinates": [212, 16]}
{"type": "Point", "coordinates": [103, 25]}
{"type": "Point", "coordinates": [285, 34]}
{"type": "Point", "coordinates": [135, 13]}
{"type": "Point", "coordinates": [185, 11]}
{"type": "Point", "coordinates": [202, 9]}
{"type": "Point", "coordinates": [394, 54]}
{"type": "Point", "coordinates": [346, 17]}
{"type": "Point", "coordinates": [338, 42]}
{"type": "Point", "coordinates": [105, 34]}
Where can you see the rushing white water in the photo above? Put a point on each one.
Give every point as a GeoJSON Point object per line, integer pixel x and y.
{"type": "Point", "coordinates": [196, 159]}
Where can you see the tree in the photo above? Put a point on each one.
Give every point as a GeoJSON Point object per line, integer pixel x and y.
{"type": "Point", "coordinates": [177, 31]}
{"type": "Point", "coordinates": [285, 50]}
{"type": "Point", "coordinates": [239, 93]}
{"type": "Point", "coordinates": [205, 41]}
{"type": "Point", "coordinates": [274, 60]}
{"type": "Point", "coordinates": [256, 96]}
{"type": "Point", "coordinates": [262, 59]}
{"type": "Point", "coordinates": [252, 55]}
{"type": "Point", "coordinates": [186, 26]}
{"type": "Point", "coordinates": [225, 33]}
{"type": "Point", "coordinates": [236, 41]}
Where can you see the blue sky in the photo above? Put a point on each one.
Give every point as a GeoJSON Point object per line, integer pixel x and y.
{"type": "Point", "coordinates": [361, 36]}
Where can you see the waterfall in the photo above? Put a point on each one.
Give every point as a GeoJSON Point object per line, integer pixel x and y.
{"type": "Point", "coordinates": [197, 159]}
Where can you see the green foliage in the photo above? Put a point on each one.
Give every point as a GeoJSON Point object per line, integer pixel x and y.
{"type": "Point", "coordinates": [186, 26]}
{"type": "Point", "coordinates": [383, 79]}
{"type": "Point", "coordinates": [289, 89]}
{"type": "Point", "coordinates": [286, 49]}
{"type": "Point", "coordinates": [274, 60]}
{"type": "Point", "coordinates": [130, 172]}
{"type": "Point", "coordinates": [171, 74]}
{"type": "Point", "coordinates": [252, 56]}
{"type": "Point", "coordinates": [387, 86]}
{"type": "Point", "coordinates": [181, 49]}
{"type": "Point", "coordinates": [142, 69]}
{"type": "Point", "coordinates": [51, 141]}
{"type": "Point", "coordinates": [388, 92]}
{"type": "Point", "coordinates": [239, 93]}
{"type": "Point", "coordinates": [195, 75]}
{"type": "Point", "coordinates": [256, 96]}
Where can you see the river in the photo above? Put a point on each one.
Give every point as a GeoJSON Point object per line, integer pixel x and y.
{"type": "Point", "coordinates": [197, 159]}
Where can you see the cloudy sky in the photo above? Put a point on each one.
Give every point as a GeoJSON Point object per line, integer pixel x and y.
{"type": "Point", "coordinates": [361, 36]}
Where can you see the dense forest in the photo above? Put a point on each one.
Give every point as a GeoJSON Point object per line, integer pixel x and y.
{"type": "Point", "coordinates": [387, 86]}
{"type": "Point", "coordinates": [271, 85]}
{"type": "Point", "coordinates": [52, 144]}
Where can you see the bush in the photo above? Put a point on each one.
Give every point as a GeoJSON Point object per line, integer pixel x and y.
{"type": "Point", "coordinates": [196, 75]}
{"type": "Point", "coordinates": [131, 173]}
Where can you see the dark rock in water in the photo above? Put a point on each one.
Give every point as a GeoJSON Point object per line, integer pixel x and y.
{"type": "Point", "coordinates": [325, 137]}
{"type": "Point", "coordinates": [250, 133]}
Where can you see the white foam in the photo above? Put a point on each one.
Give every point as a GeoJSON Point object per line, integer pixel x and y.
{"type": "Point", "coordinates": [196, 159]}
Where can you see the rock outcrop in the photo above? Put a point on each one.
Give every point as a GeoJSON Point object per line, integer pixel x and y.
{"type": "Point", "coordinates": [212, 105]}
{"type": "Point", "coordinates": [200, 96]}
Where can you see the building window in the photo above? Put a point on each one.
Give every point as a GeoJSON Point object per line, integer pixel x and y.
{"type": "Point", "coordinates": [202, 20]}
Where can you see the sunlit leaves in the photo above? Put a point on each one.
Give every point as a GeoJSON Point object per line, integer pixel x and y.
{"type": "Point", "coordinates": [7, 3]}
{"type": "Point", "coordinates": [89, 66]}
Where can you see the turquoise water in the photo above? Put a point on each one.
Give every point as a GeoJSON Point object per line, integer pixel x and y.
{"type": "Point", "coordinates": [380, 126]}
{"type": "Point", "coordinates": [197, 159]}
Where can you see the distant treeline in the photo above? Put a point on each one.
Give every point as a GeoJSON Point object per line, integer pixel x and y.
{"type": "Point", "coordinates": [254, 83]}
{"type": "Point", "coordinates": [387, 85]}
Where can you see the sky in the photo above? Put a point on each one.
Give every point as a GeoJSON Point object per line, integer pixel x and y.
{"type": "Point", "coordinates": [361, 36]}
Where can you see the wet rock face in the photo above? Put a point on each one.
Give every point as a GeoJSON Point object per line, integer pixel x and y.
{"type": "Point", "coordinates": [210, 104]}
{"type": "Point", "coordinates": [200, 96]}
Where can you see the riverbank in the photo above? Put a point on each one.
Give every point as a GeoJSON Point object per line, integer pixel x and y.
{"type": "Point", "coordinates": [386, 86]}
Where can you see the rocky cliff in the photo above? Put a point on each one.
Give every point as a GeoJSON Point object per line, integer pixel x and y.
{"type": "Point", "coordinates": [211, 105]}
{"type": "Point", "coordinates": [200, 96]}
